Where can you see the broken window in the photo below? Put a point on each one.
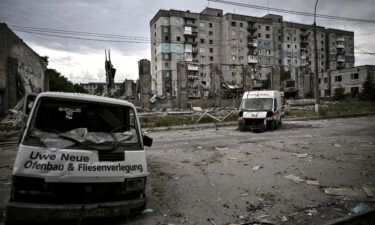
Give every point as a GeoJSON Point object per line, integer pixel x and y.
{"type": "Point", "coordinates": [257, 104]}
{"type": "Point", "coordinates": [83, 125]}
{"type": "Point", "coordinates": [354, 76]}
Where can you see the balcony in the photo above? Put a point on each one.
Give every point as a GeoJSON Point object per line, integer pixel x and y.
{"type": "Point", "coordinates": [252, 44]}
{"type": "Point", "coordinates": [303, 56]}
{"type": "Point", "coordinates": [304, 34]}
{"type": "Point", "coordinates": [252, 59]}
{"type": "Point", "coordinates": [340, 39]}
{"type": "Point", "coordinates": [340, 45]}
{"type": "Point", "coordinates": [190, 31]}
{"type": "Point", "coordinates": [252, 29]}
{"type": "Point", "coordinates": [340, 58]}
{"type": "Point", "coordinates": [193, 77]}
{"type": "Point", "coordinates": [194, 93]}
{"type": "Point", "coordinates": [192, 67]}
{"type": "Point", "coordinates": [191, 42]}
{"type": "Point", "coordinates": [304, 41]}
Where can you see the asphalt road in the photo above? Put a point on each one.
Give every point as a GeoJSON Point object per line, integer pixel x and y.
{"type": "Point", "coordinates": [225, 176]}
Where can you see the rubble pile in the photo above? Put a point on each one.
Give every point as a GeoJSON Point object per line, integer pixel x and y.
{"type": "Point", "coordinates": [10, 125]}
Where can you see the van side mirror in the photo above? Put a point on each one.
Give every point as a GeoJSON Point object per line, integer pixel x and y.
{"type": "Point", "coordinates": [28, 103]}
{"type": "Point", "coordinates": [147, 141]}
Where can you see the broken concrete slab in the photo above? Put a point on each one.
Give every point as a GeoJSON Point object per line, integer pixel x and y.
{"type": "Point", "coordinates": [313, 182]}
{"type": "Point", "coordinates": [347, 193]}
{"type": "Point", "coordinates": [295, 179]}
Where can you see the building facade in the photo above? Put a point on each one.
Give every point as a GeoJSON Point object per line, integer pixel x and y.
{"type": "Point", "coordinates": [351, 79]}
{"type": "Point", "coordinates": [93, 87]}
{"type": "Point", "coordinates": [236, 42]}
{"type": "Point", "coordinates": [21, 69]}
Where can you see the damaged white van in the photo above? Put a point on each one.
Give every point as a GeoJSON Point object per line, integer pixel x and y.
{"type": "Point", "coordinates": [260, 110]}
{"type": "Point", "coordinates": [79, 156]}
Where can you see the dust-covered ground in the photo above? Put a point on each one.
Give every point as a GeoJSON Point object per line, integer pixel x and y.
{"type": "Point", "coordinates": [225, 176]}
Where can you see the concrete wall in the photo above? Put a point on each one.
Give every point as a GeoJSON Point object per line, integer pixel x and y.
{"type": "Point", "coordinates": [144, 70]}
{"type": "Point", "coordinates": [21, 69]}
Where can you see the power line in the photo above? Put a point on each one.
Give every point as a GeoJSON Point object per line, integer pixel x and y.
{"type": "Point", "coordinates": [82, 38]}
{"type": "Point", "coordinates": [292, 11]}
{"type": "Point", "coordinates": [58, 31]}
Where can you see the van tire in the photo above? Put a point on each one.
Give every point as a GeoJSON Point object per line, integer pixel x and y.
{"type": "Point", "coordinates": [272, 125]}
{"type": "Point", "coordinates": [275, 125]}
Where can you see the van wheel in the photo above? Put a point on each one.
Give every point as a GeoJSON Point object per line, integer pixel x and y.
{"type": "Point", "coordinates": [272, 125]}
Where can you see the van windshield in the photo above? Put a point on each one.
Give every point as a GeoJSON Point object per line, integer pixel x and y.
{"type": "Point", "coordinates": [61, 123]}
{"type": "Point", "coordinates": [257, 104]}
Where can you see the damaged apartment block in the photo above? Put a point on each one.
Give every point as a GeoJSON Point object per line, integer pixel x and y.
{"type": "Point", "coordinates": [277, 54]}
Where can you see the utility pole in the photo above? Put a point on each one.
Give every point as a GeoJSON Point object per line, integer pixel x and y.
{"type": "Point", "coordinates": [316, 77]}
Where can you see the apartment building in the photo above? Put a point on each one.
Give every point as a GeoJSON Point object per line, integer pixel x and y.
{"type": "Point", "coordinates": [351, 79]}
{"type": "Point", "coordinates": [233, 42]}
{"type": "Point", "coordinates": [92, 87]}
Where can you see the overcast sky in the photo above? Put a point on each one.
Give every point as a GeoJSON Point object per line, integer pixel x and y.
{"type": "Point", "coordinates": [83, 60]}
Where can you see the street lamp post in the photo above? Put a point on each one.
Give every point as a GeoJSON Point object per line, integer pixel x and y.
{"type": "Point", "coordinates": [316, 77]}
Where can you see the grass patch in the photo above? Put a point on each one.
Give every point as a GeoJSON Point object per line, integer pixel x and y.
{"type": "Point", "coordinates": [342, 108]}
{"type": "Point", "coordinates": [335, 109]}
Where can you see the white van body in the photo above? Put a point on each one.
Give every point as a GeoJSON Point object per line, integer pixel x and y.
{"type": "Point", "coordinates": [260, 110]}
{"type": "Point", "coordinates": [80, 156]}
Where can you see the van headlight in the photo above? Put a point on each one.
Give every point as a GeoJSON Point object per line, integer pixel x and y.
{"type": "Point", "coordinates": [135, 184]}
{"type": "Point", "coordinates": [240, 114]}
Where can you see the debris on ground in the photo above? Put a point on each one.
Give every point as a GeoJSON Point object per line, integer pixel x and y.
{"type": "Point", "coordinates": [261, 217]}
{"type": "Point", "coordinates": [310, 212]}
{"type": "Point", "coordinates": [255, 168]}
{"type": "Point", "coordinates": [337, 145]}
{"type": "Point", "coordinates": [145, 211]}
{"type": "Point", "coordinates": [211, 220]}
{"type": "Point", "coordinates": [303, 155]}
{"type": "Point", "coordinates": [313, 182]}
{"type": "Point", "coordinates": [295, 179]}
{"type": "Point", "coordinates": [370, 191]}
{"type": "Point", "coordinates": [284, 219]}
{"type": "Point", "coordinates": [197, 109]}
{"type": "Point", "coordinates": [254, 208]}
{"type": "Point", "coordinates": [348, 193]}
{"type": "Point", "coordinates": [361, 207]}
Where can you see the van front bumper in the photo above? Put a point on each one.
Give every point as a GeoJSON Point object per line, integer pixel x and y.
{"type": "Point", "coordinates": [32, 212]}
{"type": "Point", "coordinates": [252, 124]}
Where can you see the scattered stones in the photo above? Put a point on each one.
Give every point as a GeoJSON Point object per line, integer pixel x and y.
{"type": "Point", "coordinates": [255, 168]}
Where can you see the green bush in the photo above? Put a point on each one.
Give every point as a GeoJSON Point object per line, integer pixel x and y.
{"type": "Point", "coordinates": [368, 92]}
{"type": "Point", "coordinates": [339, 94]}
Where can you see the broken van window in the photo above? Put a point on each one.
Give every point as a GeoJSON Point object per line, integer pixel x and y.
{"type": "Point", "coordinates": [257, 104]}
{"type": "Point", "coordinates": [64, 123]}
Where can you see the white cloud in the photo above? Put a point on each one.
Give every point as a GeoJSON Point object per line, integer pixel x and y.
{"type": "Point", "coordinates": [89, 67]}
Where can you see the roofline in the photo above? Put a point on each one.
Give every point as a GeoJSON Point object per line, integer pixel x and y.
{"type": "Point", "coordinates": [14, 35]}
{"type": "Point", "coordinates": [266, 20]}
{"type": "Point", "coordinates": [85, 97]}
